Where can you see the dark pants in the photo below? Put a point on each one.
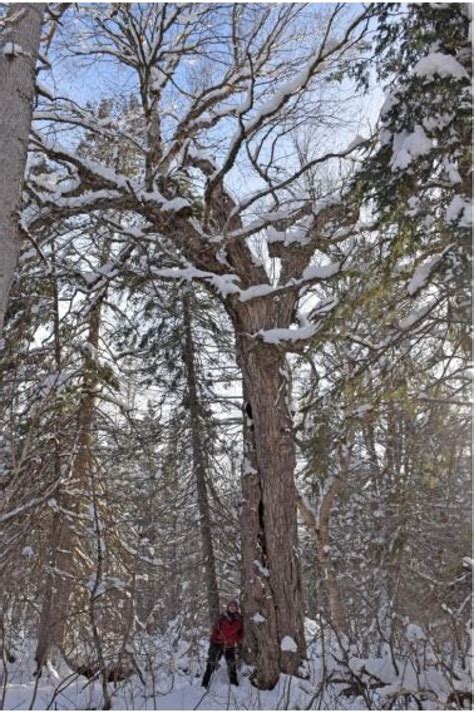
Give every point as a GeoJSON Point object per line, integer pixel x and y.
{"type": "Point", "coordinates": [213, 657]}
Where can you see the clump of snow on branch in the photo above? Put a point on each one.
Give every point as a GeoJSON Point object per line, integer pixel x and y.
{"type": "Point", "coordinates": [441, 64]}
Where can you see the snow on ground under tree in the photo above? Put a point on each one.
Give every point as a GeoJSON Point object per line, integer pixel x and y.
{"type": "Point", "coordinates": [173, 680]}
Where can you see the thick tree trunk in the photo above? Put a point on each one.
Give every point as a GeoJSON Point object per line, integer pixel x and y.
{"type": "Point", "coordinates": [260, 645]}
{"type": "Point", "coordinates": [199, 466]}
{"type": "Point", "coordinates": [19, 43]}
{"type": "Point", "coordinates": [273, 600]}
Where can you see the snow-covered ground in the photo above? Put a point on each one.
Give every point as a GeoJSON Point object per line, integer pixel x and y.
{"type": "Point", "coordinates": [184, 695]}
{"type": "Point", "coordinates": [170, 679]}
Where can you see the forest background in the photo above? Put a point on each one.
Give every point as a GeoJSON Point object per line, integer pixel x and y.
{"type": "Point", "coordinates": [235, 300]}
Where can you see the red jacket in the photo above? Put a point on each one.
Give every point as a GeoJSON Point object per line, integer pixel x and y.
{"type": "Point", "coordinates": [227, 630]}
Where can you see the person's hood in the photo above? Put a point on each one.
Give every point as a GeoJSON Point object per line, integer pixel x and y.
{"type": "Point", "coordinates": [232, 615]}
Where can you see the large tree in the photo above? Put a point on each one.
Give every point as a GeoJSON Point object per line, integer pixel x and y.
{"type": "Point", "coordinates": [218, 91]}
{"type": "Point", "coordinates": [214, 167]}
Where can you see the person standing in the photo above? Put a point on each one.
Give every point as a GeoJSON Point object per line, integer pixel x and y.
{"type": "Point", "coordinates": [226, 635]}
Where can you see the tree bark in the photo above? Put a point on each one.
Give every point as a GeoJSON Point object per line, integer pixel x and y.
{"type": "Point", "coordinates": [273, 601]}
{"type": "Point", "coordinates": [19, 44]}
{"type": "Point", "coordinates": [260, 645]}
{"type": "Point", "coordinates": [63, 571]}
{"type": "Point", "coordinates": [199, 466]}
{"type": "Point", "coordinates": [48, 586]}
